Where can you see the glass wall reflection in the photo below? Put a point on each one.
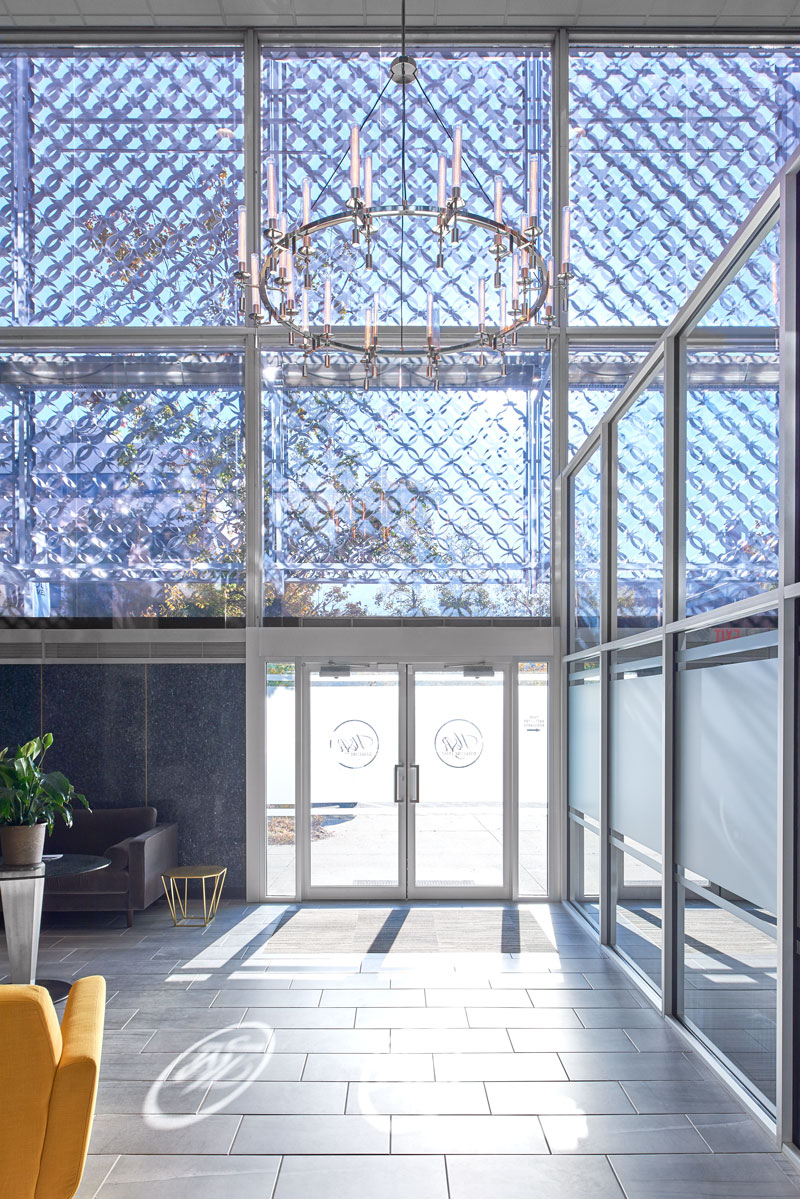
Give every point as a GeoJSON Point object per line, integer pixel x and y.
{"type": "Point", "coordinates": [583, 706]}
{"type": "Point", "coordinates": [635, 805]}
{"type": "Point", "coordinates": [585, 555]}
{"type": "Point", "coordinates": [640, 511]}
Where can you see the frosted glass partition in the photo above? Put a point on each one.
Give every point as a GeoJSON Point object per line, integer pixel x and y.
{"type": "Point", "coordinates": [727, 761]}
{"type": "Point", "coordinates": [635, 706]}
{"type": "Point", "coordinates": [584, 738]}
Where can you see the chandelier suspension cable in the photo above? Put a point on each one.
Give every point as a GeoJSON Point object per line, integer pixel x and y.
{"type": "Point", "coordinates": [449, 134]}
{"type": "Point", "coordinates": [346, 150]}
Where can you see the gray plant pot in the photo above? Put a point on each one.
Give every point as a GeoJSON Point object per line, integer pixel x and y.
{"type": "Point", "coordinates": [22, 844]}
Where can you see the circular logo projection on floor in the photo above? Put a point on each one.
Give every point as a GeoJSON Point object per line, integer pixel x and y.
{"type": "Point", "coordinates": [355, 744]}
{"type": "Point", "coordinates": [458, 743]}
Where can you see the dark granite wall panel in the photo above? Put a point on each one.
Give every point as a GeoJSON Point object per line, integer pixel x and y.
{"type": "Point", "coordinates": [183, 751]}
{"type": "Point", "coordinates": [96, 714]}
{"type": "Point", "coordinates": [20, 698]}
{"type": "Point", "coordinates": [196, 760]}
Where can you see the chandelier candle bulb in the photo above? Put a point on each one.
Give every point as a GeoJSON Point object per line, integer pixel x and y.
{"type": "Point", "coordinates": [368, 329]}
{"type": "Point", "coordinates": [514, 282]}
{"type": "Point", "coordinates": [355, 160]}
{"type": "Point", "coordinates": [548, 307]}
{"type": "Point", "coordinates": [456, 161]}
{"type": "Point", "coordinates": [242, 240]}
{"type": "Point", "coordinates": [482, 305]}
{"type": "Point", "coordinates": [304, 317]}
{"type": "Point", "coordinates": [368, 181]}
{"type": "Point", "coordinates": [326, 307]}
{"type": "Point", "coordinates": [533, 194]}
{"type": "Point", "coordinates": [290, 288]}
{"type": "Point", "coordinates": [255, 296]}
{"type": "Point", "coordinates": [498, 200]}
{"type": "Point", "coordinates": [284, 253]}
{"type": "Point", "coordinates": [430, 319]}
{"type": "Point", "coordinates": [272, 193]}
{"type": "Point", "coordinates": [503, 312]}
{"type": "Point", "coordinates": [566, 238]}
{"type": "Point", "coordinates": [306, 202]}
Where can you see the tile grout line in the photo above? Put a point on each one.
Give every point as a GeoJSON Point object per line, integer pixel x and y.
{"type": "Point", "coordinates": [274, 1189]}
{"type": "Point", "coordinates": [607, 1157]}
{"type": "Point", "coordinates": [235, 1135]}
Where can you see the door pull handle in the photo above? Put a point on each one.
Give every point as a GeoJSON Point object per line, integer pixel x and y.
{"type": "Point", "coordinates": [414, 797]}
{"type": "Point", "coordinates": [399, 782]}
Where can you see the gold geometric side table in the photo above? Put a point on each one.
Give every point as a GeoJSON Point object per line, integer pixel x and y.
{"type": "Point", "coordinates": [178, 904]}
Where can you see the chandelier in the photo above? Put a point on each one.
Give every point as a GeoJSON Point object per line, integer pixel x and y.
{"type": "Point", "coordinates": [521, 286]}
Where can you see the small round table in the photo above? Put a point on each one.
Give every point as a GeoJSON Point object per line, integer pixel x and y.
{"type": "Point", "coordinates": [178, 903]}
{"type": "Point", "coordinates": [21, 891]}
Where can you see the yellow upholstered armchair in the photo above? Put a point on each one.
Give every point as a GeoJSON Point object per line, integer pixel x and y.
{"type": "Point", "coordinates": [48, 1084]}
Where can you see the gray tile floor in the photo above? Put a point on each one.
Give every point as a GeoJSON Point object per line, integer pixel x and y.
{"type": "Point", "coordinates": [230, 1067]}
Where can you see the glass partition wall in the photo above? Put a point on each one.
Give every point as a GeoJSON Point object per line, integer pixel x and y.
{"type": "Point", "coordinates": [681, 522]}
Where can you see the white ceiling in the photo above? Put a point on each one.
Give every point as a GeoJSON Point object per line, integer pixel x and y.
{"type": "Point", "coordinates": [752, 15]}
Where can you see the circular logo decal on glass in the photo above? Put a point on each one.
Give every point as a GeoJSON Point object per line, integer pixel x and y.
{"type": "Point", "coordinates": [355, 744]}
{"type": "Point", "coordinates": [458, 743]}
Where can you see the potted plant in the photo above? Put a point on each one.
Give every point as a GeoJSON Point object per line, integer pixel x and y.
{"type": "Point", "coordinates": [30, 800]}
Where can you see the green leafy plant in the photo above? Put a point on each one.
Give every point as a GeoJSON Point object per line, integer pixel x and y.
{"type": "Point", "coordinates": [29, 796]}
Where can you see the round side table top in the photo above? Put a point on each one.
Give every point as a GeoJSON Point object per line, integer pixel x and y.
{"type": "Point", "coordinates": [57, 866]}
{"type": "Point", "coordinates": [194, 871]}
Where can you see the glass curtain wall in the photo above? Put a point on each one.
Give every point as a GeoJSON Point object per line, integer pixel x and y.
{"type": "Point", "coordinates": [685, 727]}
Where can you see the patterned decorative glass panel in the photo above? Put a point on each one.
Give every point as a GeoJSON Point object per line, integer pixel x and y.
{"type": "Point", "coordinates": [670, 148]}
{"type": "Point", "coordinates": [596, 377]}
{"type": "Point", "coordinates": [731, 475]}
{"type": "Point", "coordinates": [585, 555]}
{"type": "Point", "coordinates": [753, 296]}
{"type": "Point", "coordinates": [501, 98]}
{"type": "Point", "coordinates": [7, 218]}
{"type": "Point", "coordinates": [122, 486]}
{"type": "Point", "coordinates": [126, 172]}
{"type": "Point", "coordinates": [640, 512]}
{"type": "Point", "coordinates": [406, 501]}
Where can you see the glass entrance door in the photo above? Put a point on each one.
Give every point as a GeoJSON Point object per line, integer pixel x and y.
{"type": "Point", "coordinates": [458, 755]}
{"type": "Point", "coordinates": [355, 836]}
{"type": "Point", "coordinates": [406, 781]}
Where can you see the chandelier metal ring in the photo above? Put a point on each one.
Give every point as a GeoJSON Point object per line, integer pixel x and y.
{"type": "Point", "coordinates": [512, 239]}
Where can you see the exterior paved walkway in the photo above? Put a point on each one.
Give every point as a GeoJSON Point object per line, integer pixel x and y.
{"type": "Point", "coordinates": [232, 1069]}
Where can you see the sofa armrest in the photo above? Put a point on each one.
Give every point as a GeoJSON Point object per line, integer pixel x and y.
{"type": "Point", "coordinates": [72, 1099]}
{"type": "Point", "coordinates": [119, 854]}
{"type": "Point", "coordinates": [149, 855]}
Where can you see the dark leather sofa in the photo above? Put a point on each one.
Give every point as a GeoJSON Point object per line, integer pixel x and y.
{"type": "Point", "coordinates": [138, 847]}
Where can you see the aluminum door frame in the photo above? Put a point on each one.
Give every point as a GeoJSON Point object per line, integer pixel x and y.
{"type": "Point", "coordinates": [350, 893]}
{"type": "Point", "coordinates": [510, 825]}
